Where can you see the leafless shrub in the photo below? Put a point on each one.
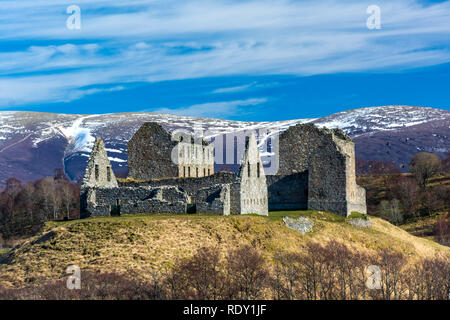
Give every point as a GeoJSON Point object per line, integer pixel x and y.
{"type": "Point", "coordinates": [406, 190]}
{"type": "Point", "coordinates": [330, 271]}
{"type": "Point", "coordinates": [392, 212]}
{"type": "Point", "coordinates": [94, 286]}
{"type": "Point", "coordinates": [424, 166]}
{"type": "Point", "coordinates": [431, 201]}
{"type": "Point", "coordinates": [287, 275]}
{"type": "Point", "coordinates": [442, 228]}
{"type": "Point", "coordinates": [247, 274]}
{"type": "Point", "coordinates": [391, 264]}
{"type": "Point", "coordinates": [429, 279]}
{"type": "Point", "coordinates": [199, 277]}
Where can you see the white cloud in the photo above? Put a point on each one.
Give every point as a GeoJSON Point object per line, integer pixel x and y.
{"type": "Point", "coordinates": [234, 89]}
{"type": "Point", "coordinates": [137, 40]}
{"type": "Point", "coordinates": [215, 109]}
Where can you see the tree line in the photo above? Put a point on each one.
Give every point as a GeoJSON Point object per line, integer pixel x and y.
{"type": "Point", "coordinates": [26, 206]}
{"type": "Point", "coordinates": [400, 198]}
{"type": "Point", "coordinates": [332, 271]}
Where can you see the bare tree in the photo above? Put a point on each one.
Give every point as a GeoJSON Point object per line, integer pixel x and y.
{"type": "Point", "coordinates": [287, 275]}
{"type": "Point", "coordinates": [424, 166]}
{"type": "Point", "coordinates": [67, 194]}
{"type": "Point", "coordinates": [406, 190]}
{"type": "Point", "coordinates": [392, 212]}
{"type": "Point", "coordinates": [199, 277]}
{"type": "Point", "coordinates": [45, 187]}
{"type": "Point", "coordinates": [247, 272]}
{"type": "Point", "coordinates": [442, 228]}
{"type": "Point", "coordinates": [56, 200]}
{"type": "Point", "coordinates": [446, 164]}
{"type": "Point", "coordinates": [391, 264]}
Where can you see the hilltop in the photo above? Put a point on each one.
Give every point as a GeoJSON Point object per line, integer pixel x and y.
{"type": "Point", "coordinates": [145, 243]}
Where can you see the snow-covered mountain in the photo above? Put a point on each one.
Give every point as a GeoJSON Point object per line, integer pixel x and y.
{"type": "Point", "coordinates": [374, 119]}
{"type": "Point", "coordinates": [33, 144]}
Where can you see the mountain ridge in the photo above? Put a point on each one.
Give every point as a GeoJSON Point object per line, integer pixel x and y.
{"type": "Point", "coordinates": [33, 144]}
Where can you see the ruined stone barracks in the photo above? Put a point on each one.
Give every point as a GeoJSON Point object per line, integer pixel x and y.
{"type": "Point", "coordinates": [171, 173]}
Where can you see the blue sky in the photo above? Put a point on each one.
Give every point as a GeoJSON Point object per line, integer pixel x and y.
{"type": "Point", "coordinates": [244, 60]}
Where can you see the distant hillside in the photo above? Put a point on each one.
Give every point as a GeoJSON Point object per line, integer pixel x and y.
{"type": "Point", "coordinates": [145, 243]}
{"type": "Point", "coordinates": [33, 144]}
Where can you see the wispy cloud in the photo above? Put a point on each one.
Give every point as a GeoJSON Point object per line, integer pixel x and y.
{"type": "Point", "coordinates": [215, 109]}
{"type": "Point", "coordinates": [234, 89]}
{"type": "Point", "coordinates": [137, 40]}
{"type": "Point", "coordinates": [245, 87]}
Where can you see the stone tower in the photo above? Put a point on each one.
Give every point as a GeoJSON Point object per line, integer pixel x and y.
{"type": "Point", "coordinates": [253, 185]}
{"type": "Point", "coordinates": [99, 171]}
{"type": "Point", "coordinates": [99, 174]}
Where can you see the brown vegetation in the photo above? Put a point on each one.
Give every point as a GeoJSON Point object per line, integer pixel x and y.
{"type": "Point", "coordinates": [25, 207]}
{"type": "Point", "coordinates": [424, 166]}
{"type": "Point", "coordinates": [409, 198]}
{"type": "Point", "coordinates": [324, 272]}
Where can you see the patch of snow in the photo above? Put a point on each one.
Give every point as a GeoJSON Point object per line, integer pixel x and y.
{"type": "Point", "coordinates": [79, 136]}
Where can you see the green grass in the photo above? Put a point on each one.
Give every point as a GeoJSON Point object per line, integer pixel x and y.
{"type": "Point", "coordinates": [4, 251]}
{"type": "Point", "coordinates": [273, 215]}
{"type": "Point", "coordinates": [357, 215]}
{"type": "Point", "coordinates": [318, 215]}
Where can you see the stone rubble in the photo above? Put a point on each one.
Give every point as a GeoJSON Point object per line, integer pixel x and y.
{"type": "Point", "coordinates": [301, 224]}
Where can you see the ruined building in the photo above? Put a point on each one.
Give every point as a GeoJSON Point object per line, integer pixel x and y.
{"type": "Point", "coordinates": [152, 154]}
{"type": "Point", "coordinates": [98, 170]}
{"type": "Point", "coordinates": [174, 173]}
{"type": "Point", "coordinates": [316, 172]}
{"type": "Point", "coordinates": [161, 186]}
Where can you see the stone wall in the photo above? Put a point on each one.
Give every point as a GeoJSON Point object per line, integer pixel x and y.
{"type": "Point", "coordinates": [190, 185]}
{"type": "Point", "coordinates": [355, 195]}
{"type": "Point", "coordinates": [165, 199]}
{"type": "Point", "coordinates": [98, 170]}
{"type": "Point", "coordinates": [328, 157]}
{"type": "Point", "coordinates": [127, 200]}
{"type": "Point", "coordinates": [288, 192]}
{"type": "Point", "coordinates": [222, 192]}
{"type": "Point", "coordinates": [149, 153]}
{"type": "Point", "coordinates": [195, 157]}
{"type": "Point", "coordinates": [215, 199]}
{"type": "Point", "coordinates": [154, 153]}
{"type": "Point", "coordinates": [98, 173]}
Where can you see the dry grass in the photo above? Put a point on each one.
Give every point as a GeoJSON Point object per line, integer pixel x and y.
{"type": "Point", "coordinates": [145, 243]}
{"type": "Point", "coordinates": [422, 227]}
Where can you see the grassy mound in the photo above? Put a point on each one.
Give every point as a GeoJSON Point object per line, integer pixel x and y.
{"type": "Point", "coordinates": [144, 243]}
